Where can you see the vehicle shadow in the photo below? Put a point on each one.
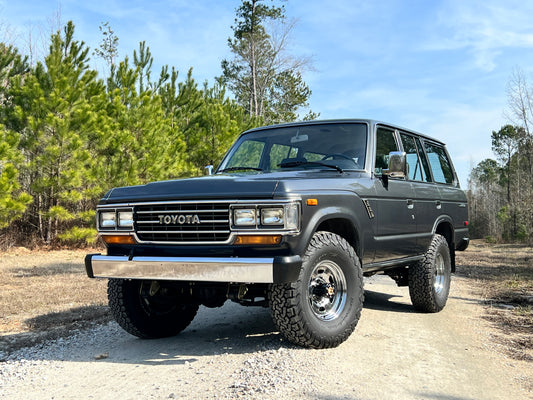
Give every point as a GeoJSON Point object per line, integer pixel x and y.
{"type": "Point", "coordinates": [231, 329]}
{"type": "Point", "coordinates": [384, 302]}
{"type": "Point", "coordinates": [237, 331]}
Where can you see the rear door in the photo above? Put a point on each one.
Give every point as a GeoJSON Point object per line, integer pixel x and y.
{"type": "Point", "coordinates": [426, 194]}
{"type": "Point", "coordinates": [452, 200]}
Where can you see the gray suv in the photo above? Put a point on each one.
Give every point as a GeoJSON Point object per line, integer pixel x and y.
{"type": "Point", "coordinates": [293, 219]}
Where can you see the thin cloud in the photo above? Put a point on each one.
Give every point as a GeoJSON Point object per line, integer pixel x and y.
{"type": "Point", "coordinates": [483, 28]}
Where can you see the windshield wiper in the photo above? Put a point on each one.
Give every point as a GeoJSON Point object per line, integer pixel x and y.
{"type": "Point", "coordinates": [240, 169]}
{"type": "Point", "coordinates": [299, 163]}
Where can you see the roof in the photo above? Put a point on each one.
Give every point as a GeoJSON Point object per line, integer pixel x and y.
{"type": "Point", "coordinates": [370, 122]}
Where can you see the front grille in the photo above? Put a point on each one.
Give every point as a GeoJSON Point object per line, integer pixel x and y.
{"type": "Point", "coordinates": [182, 222]}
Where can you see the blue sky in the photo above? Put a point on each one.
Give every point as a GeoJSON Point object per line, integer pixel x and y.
{"type": "Point", "coordinates": [438, 67]}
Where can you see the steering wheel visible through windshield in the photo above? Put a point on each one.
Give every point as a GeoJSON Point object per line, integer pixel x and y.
{"type": "Point", "coordinates": [340, 146]}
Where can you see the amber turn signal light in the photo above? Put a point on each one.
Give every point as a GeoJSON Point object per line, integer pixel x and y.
{"type": "Point", "coordinates": [118, 239]}
{"type": "Point", "coordinates": [258, 239]}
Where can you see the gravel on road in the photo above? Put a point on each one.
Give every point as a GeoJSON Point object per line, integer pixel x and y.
{"type": "Point", "coordinates": [235, 352]}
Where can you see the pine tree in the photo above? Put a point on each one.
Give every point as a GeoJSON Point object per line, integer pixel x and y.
{"type": "Point", "coordinates": [215, 126]}
{"type": "Point", "coordinates": [265, 80]}
{"type": "Point", "coordinates": [208, 119]}
{"type": "Point", "coordinates": [68, 138]}
{"type": "Point", "coordinates": [13, 202]}
{"type": "Point", "coordinates": [57, 110]}
{"type": "Point", "coordinates": [146, 145]}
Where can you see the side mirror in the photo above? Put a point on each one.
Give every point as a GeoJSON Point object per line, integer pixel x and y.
{"type": "Point", "coordinates": [209, 169]}
{"type": "Point", "coordinates": [397, 165]}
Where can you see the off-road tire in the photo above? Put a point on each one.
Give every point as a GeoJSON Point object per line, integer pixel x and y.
{"type": "Point", "coordinates": [322, 308]}
{"type": "Point", "coordinates": [429, 279]}
{"type": "Point", "coordinates": [144, 316]}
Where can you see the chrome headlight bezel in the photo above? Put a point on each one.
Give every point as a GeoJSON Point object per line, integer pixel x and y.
{"type": "Point", "coordinates": [114, 219]}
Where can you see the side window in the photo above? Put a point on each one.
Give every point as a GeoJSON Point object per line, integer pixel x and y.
{"type": "Point", "coordinates": [384, 145]}
{"type": "Point", "coordinates": [423, 159]}
{"type": "Point", "coordinates": [417, 172]}
{"type": "Point", "coordinates": [439, 163]}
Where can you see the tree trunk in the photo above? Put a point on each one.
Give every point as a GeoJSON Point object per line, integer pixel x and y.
{"type": "Point", "coordinates": [253, 62]}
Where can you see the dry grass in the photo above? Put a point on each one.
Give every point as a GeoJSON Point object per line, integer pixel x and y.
{"type": "Point", "coordinates": [502, 276]}
{"type": "Point", "coordinates": [45, 293]}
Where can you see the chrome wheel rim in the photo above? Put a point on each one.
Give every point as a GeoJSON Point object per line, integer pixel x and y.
{"type": "Point", "coordinates": [327, 290]}
{"type": "Point", "coordinates": [439, 282]}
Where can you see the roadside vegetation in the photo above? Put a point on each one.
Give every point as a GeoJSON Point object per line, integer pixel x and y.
{"type": "Point", "coordinates": [500, 191]}
{"type": "Point", "coordinates": [501, 276]}
{"type": "Point", "coordinates": [46, 294]}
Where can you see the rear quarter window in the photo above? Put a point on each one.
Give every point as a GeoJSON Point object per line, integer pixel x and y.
{"type": "Point", "coordinates": [439, 163]}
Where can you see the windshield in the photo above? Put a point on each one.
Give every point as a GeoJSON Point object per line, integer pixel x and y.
{"type": "Point", "coordinates": [338, 145]}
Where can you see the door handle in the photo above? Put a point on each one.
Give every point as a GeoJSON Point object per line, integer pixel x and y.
{"type": "Point", "coordinates": [410, 204]}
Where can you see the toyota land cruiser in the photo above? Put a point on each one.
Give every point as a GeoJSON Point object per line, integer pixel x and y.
{"type": "Point", "coordinates": [293, 218]}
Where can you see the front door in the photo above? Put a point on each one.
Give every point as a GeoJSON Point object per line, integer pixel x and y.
{"type": "Point", "coordinates": [396, 234]}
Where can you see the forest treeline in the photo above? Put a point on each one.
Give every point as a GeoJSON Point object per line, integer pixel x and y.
{"type": "Point", "coordinates": [501, 190]}
{"type": "Point", "coordinates": [67, 136]}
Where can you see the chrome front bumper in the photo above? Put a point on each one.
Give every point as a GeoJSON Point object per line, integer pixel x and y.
{"type": "Point", "coordinates": [202, 269]}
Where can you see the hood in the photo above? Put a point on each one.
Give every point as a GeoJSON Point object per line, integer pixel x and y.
{"type": "Point", "coordinates": [207, 187]}
{"type": "Point", "coordinates": [241, 186]}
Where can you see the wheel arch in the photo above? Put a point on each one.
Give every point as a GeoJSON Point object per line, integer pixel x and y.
{"type": "Point", "coordinates": [444, 227]}
{"type": "Point", "coordinates": [342, 213]}
{"type": "Point", "coordinates": [345, 228]}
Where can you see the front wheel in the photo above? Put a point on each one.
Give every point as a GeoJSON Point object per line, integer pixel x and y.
{"type": "Point", "coordinates": [322, 308]}
{"type": "Point", "coordinates": [147, 310]}
{"type": "Point", "coordinates": [429, 279]}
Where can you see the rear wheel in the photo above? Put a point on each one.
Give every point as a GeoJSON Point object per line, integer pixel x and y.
{"type": "Point", "coordinates": [147, 310]}
{"type": "Point", "coordinates": [429, 279]}
{"type": "Point", "coordinates": [322, 308]}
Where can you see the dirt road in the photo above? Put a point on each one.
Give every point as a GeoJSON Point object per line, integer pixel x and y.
{"type": "Point", "coordinates": [235, 352]}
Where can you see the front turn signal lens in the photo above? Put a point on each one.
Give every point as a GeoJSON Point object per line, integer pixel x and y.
{"type": "Point", "coordinates": [258, 239]}
{"type": "Point", "coordinates": [118, 239]}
